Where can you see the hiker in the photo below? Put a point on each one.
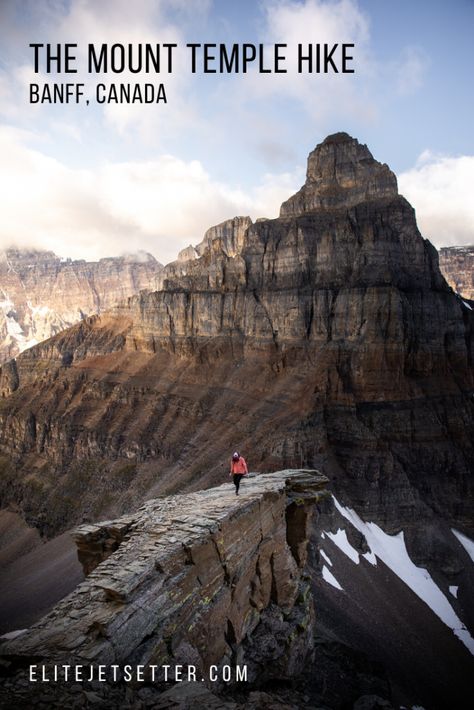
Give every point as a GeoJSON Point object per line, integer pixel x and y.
{"type": "Point", "coordinates": [238, 469]}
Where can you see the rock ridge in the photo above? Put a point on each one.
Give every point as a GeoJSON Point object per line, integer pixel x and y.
{"type": "Point", "coordinates": [192, 580]}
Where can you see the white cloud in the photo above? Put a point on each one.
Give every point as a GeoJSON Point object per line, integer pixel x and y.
{"type": "Point", "coordinates": [321, 96]}
{"type": "Point", "coordinates": [315, 21]}
{"type": "Point", "coordinates": [165, 202]}
{"type": "Point", "coordinates": [14, 91]}
{"type": "Point", "coordinates": [269, 115]}
{"type": "Point", "coordinates": [440, 189]}
{"type": "Point", "coordinates": [120, 21]}
{"type": "Point", "coordinates": [410, 70]}
{"type": "Point", "coordinates": [70, 130]}
{"type": "Point", "coordinates": [309, 23]}
{"type": "Point", "coordinates": [84, 22]}
{"type": "Point", "coordinates": [160, 205]}
{"type": "Point", "coordinates": [260, 111]}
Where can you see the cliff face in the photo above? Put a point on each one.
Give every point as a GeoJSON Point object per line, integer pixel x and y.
{"type": "Point", "coordinates": [43, 294]}
{"type": "Point", "coordinates": [325, 337]}
{"type": "Point", "coordinates": [457, 265]}
{"type": "Point", "coordinates": [341, 173]}
{"type": "Point", "coordinates": [206, 580]}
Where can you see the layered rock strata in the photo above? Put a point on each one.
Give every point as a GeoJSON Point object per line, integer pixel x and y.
{"type": "Point", "coordinates": [326, 337]}
{"type": "Point", "coordinates": [457, 265]}
{"type": "Point", "coordinates": [200, 580]}
{"type": "Point", "coordinates": [341, 173]}
{"type": "Point", "coordinates": [42, 294]}
{"type": "Point", "coordinates": [225, 239]}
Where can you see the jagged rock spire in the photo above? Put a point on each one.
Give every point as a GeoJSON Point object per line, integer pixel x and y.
{"type": "Point", "coordinates": [341, 173]}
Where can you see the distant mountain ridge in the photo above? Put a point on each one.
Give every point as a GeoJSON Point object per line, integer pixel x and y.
{"type": "Point", "coordinates": [457, 265]}
{"type": "Point", "coordinates": [42, 294]}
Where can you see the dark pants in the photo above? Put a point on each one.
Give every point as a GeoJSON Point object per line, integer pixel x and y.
{"type": "Point", "coordinates": [237, 477]}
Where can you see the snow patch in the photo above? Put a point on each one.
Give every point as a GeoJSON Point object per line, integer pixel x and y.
{"type": "Point", "coordinates": [370, 557]}
{"type": "Point", "coordinates": [330, 578]}
{"type": "Point", "coordinates": [14, 328]}
{"type": "Point", "coordinates": [39, 310]}
{"type": "Point", "coordinates": [340, 539]}
{"type": "Point", "coordinates": [465, 542]}
{"type": "Point", "coordinates": [324, 556]}
{"type": "Point", "coordinates": [454, 591]}
{"type": "Point", "coordinates": [6, 305]}
{"type": "Point", "coordinates": [28, 344]}
{"type": "Point", "coordinates": [391, 549]}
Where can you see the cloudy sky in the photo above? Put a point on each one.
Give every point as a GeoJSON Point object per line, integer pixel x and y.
{"type": "Point", "coordinates": [101, 180]}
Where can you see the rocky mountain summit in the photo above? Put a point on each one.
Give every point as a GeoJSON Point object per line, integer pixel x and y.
{"type": "Point", "coordinates": [42, 294]}
{"type": "Point", "coordinates": [341, 173]}
{"type": "Point", "coordinates": [326, 338]}
{"type": "Point", "coordinates": [457, 265]}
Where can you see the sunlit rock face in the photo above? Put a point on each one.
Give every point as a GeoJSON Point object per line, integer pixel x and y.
{"type": "Point", "coordinates": [457, 265]}
{"type": "Point", "coordinates": [41, 294]}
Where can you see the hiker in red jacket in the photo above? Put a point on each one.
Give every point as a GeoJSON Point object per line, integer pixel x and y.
{"type": "Point", "coordinates": [238, 469]}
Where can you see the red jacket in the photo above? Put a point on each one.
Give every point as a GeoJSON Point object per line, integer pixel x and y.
{"type": "Point", "coordinates": [238, 466]}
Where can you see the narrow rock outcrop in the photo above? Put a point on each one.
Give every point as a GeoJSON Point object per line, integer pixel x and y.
{"type": "Point", "coordinates": [198, 580]}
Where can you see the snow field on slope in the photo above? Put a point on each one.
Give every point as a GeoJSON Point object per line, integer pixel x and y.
{"type": "Point", "coordinates": [465, 542]}
{"type": "Point", "coordinates": [391, 549]}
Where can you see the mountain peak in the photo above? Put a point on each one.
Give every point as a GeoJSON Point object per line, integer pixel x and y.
{"type": "Point", "coordinates": [340, 137]}
{"type": "Point", "coordinates": [341, 173]}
